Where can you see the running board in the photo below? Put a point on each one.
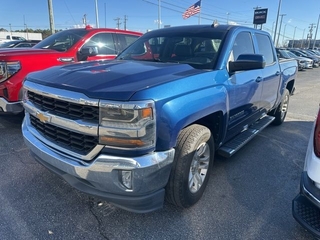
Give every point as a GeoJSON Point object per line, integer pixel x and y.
{"type": "Point", "coordinates": [231, 147]}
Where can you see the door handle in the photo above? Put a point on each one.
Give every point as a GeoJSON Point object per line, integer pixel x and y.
{"type": "Point", "coordinates": [258, 79]}
{"type": "Point", "coordinates": [277, 73]}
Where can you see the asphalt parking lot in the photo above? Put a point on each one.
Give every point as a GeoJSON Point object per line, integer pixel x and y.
{"type": "Point", "coordinates": [248, 196]}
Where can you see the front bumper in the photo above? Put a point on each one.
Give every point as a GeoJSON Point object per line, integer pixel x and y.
{"type": "Point", "coordinates": [306, 206]}
{"type": "Point", "coordinates": [101, 176]}
{"type": "Point", "coordinates": [10, 107]}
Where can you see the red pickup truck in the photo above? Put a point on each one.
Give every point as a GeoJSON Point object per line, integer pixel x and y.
{"type": "Point", "coordinates": [68, 46]}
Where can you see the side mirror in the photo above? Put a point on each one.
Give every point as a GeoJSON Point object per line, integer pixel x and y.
{"type": "Point", "coordinates": [247, 62]}
{"type": "Point", "coordinates": [89, 51]}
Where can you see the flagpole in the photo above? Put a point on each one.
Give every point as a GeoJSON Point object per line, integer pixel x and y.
{"type": "Point", "coordinates": [199, 20]}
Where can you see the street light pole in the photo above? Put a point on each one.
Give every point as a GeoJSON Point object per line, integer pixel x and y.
{"type": "Point", "coordinates": [315, 36]}
{"type": "Point", "coordinates": [280, 29]}
{"type": "Point", "coordinates": [275, 31]}
{"type": "Point", "coordinates": [302, 42]}
{"type": "Point", "coordinates": [97, 17]}
{"type": "Point", "coordinates": [294, 34]}
{"type": "Point", "coordinates": [284, 32]}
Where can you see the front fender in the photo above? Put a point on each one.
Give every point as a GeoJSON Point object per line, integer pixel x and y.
{"type": "Point", "coordinates": [184, 110]}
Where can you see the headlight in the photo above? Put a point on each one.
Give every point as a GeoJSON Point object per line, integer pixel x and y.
{"type": "Point", "coordinates": [7, 69]}
{"type": "Point", "coordinates": [127, 125]}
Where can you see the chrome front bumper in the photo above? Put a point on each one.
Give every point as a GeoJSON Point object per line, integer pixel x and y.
{"type": "Point", "coordinates": [102, 176]}
{"type": "Point", "coordinates": [10, 107]}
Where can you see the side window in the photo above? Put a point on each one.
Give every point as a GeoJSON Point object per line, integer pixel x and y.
{"type": "Point", "coordinates": [129, 39]}
{"type": "Point", "coordinates": [265, 48]}
{"type": "Point", "coordinates": [242, 44]}
{"type": "Point", "coordinates": [104, 42]}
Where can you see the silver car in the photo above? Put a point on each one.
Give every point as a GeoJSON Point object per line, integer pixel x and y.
{"type": "Point", "coordinates": [307, 62]}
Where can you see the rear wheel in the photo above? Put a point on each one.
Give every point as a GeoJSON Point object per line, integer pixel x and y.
{"type": "Point", "coordinates": [282, 109]}
{"type": "Point", "coordinates": [192, 164]}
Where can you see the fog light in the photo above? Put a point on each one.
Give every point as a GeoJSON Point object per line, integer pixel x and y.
{"type": "Point", "coordinates": [127, 179]}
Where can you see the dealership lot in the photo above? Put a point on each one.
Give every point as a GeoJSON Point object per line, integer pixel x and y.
{"type": "Point", "coordinates": [248, 196]}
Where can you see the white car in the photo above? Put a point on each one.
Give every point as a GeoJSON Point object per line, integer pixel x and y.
{"type": "Point", "coordinates": [306, 206]}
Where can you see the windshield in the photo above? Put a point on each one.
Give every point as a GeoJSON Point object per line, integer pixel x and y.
{"type": "Point", "coordinates": [198, 50]}
{"type": "Point", "coordinates": [284, 53]}
{"type": "Point", "coordinates": [292, 55]}
{"type": "Point", "coordinates": [62, 41]}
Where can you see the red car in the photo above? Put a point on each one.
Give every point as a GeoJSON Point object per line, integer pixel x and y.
{"type": "Point", "coordinates": [68, 46]}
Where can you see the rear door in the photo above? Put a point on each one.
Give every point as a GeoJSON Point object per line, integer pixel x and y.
{"type": "Point", "coordinates": [271, 73]}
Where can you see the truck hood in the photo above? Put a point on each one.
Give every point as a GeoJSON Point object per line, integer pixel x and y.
{"type": "Point", "coordinates": [112, 80]}
{"type": "Point", "coordinates": [24, 51]}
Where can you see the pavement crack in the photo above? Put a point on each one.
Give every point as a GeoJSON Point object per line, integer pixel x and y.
{"type": "Point", "coordinates": [91, 208]}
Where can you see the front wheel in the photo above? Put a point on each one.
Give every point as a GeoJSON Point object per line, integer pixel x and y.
{"type": "Point", "coordinates": [282, 109]}
{"type": "Point", "coordinates": [191, 168]}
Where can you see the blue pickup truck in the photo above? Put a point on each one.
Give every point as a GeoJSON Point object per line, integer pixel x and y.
{"type": "Point", "coordinates": [145, 127]}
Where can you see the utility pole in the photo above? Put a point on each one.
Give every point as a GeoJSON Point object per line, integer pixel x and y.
{"type": "Point", "coordinates": [279, 28]}
{"type": "Point", "coordinates": [309, 36]}
{"type": "Point", "coordinates": [51, 20]}
{"type": "Point", "coordinates": [315, 36]}
{"type": "Point", "coordinates": [118, 22]}
{"type": "Point", "coordinates": [97, 17]}
{"type": "Point", "coordinates": [125, 22]}
{"type": "Point", "coordinates": [275, 31]}
{"type": "Point", "coordinates": [84, 19]}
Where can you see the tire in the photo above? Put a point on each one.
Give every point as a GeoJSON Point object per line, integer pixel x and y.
{"type": "Point", "coordinates": [281, 111]}
{"type": "Point", "coordinates": [191, 168]}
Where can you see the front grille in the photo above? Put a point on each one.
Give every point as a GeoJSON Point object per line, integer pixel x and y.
{"type": "Point", "coordinates": [64, 108]}
{"type": "Point", "coordinates": [79, 143]}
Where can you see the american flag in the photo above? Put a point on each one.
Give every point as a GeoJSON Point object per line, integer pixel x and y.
{"type": "Point", "coordinates": [192, 10]}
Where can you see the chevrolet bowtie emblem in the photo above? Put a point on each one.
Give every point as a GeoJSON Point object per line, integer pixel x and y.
{"type": "Point", "coordinates": [42, 117]}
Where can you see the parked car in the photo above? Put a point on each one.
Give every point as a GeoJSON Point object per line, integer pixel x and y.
{"type": "Point", "coordinates": [301, 53]}
{"type": "Point", "coordinates": [312, 52]}
{"type": "Point", "coordinates": [306, 205]}
{"type": "Point", "coordinates": [303, 63]}
{"type": "Point", "coordinates": [307, 61]}
{"type": "Point", "coordinates": [19, 44]}
{"type": "Point", "coordinates": [13, 38]}
{"type": "Point", "coordinates": [146, 126]}
{"type": "Point", "coordinates": [64, 47]}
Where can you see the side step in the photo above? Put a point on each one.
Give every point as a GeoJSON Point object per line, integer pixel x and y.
{"type": "Point", "coordinates": [231, 147]}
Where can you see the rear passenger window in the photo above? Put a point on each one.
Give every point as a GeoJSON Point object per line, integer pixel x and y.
{"type": "Point", "coordinates": [126, 40]}
{"type": "Point", "coordinates": [242, 45]}
{"type": "Point", "coordinates": [104, 42]}
{"type": "Point", "coordinates": [265, 48]}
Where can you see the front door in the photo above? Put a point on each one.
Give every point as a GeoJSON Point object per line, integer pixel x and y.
{"type": "Point", "coordinates": [245, 88]}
